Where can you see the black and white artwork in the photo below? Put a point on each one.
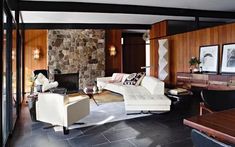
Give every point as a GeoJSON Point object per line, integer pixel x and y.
{"type": "Point", "coordinates": [228, 58]}
{"type": "Point", "coordinates": [209, 58]}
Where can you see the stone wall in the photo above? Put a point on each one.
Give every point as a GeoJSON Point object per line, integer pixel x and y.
{"type": "Point", "coordinates": [80, 50]}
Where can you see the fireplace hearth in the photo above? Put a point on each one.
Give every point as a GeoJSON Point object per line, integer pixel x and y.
{"type": "Point", "coordinates": [70, 81]}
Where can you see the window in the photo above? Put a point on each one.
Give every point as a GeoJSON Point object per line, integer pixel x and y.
{"type": "Point", "coordinates": [4, 106]}
{"type": "Point", "coordinates": [147, 58]}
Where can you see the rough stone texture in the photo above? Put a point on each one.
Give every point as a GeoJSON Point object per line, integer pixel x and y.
{"type": "Point", "coordinates": [80, 50]}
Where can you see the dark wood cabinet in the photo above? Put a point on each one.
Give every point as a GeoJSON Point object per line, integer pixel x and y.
{"type": "Point", "coordinates": [205, 81]}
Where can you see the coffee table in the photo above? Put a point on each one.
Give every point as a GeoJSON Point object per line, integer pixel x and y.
{"type": "Point", "coordinates": [180, 101]}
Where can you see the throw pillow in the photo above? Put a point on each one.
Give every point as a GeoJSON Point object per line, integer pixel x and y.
{"type": "Point", "coordinates": [117, 77]}
{"type": "Point", "coordinates": [134, 79]}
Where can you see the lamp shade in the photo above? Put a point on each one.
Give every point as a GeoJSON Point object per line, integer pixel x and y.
{"type": "Point", "coordinates": [36, 53]}
{"type": "Point", "coordinates": [112, 50]}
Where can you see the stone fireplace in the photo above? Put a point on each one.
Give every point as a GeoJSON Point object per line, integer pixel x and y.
{"type": "Point", "coordinates": [80, 50]}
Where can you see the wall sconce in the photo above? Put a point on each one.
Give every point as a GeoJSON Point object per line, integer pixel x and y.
{"type": "Point", "coordinates": [36, 53]}
{"type": "Point", "coordinates": [13, 55]}
{"type": "Point", "coordinates": [112, 51]}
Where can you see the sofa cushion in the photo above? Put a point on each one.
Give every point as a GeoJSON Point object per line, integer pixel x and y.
{"type": "Point", "coordinates": [159, 100]}
{"type": "Point", "coordinates": [115, 87]}
{"type": "Point", "coordinates": [46, 85]}
{"type": "Point", "coordinates": [134, 79]}
{"type": "Point", "coordinates": [138, 95]}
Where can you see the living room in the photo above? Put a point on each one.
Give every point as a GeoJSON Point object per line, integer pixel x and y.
{"type": "Point", "coordinates": [78, 73]}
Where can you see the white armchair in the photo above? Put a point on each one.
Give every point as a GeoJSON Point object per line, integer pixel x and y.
{"type": "Point", "coordinates": [62, 110]}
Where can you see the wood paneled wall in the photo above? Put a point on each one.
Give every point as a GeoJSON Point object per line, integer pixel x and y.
{"type": "Point", "coordinates": [34, 39]}
{"type": "Point", "coordinates": [113, 63]}
{"type": "Point", "coordinates": [157, 30]}
{"type": "Point", "coordinates": [184, 46]}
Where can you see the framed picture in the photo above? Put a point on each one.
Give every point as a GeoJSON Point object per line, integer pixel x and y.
{"type": "Point", "coordinates": [209, 58]}
{"type": "Point", "coordinates": [228, 58]}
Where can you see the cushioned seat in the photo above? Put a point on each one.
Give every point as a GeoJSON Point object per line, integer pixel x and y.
{"type": "Point", "coordinates": [147, 100]}
{"type": "Point", "coordinates": [138, 98]}
{"type": "Point", "coordinates": [148, 96]}
{"type": "Point", "coordinates": [115, 87]}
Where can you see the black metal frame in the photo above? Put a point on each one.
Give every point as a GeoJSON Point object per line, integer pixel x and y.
{"type": "Point", "coordinates": [224, 72]}
{"type": "Point", "coordinates": [1, 68]}
{"type": "Point", "coordinates": [10, 122]}
{"type": "Point", "coordinates": [18, 63]}
{"type": "Point", "coordinates": [118, 8]}
{"type": "Point", "coordinates": [218, 57]}
{"type": "Point", "coordinates": [84, 26]}
{"type": "Point", "coordinates": [23, 57]}
{"type": "Point", "coordinates": [9, 111]}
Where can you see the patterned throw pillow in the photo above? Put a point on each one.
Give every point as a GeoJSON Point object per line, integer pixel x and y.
{"type": "Point", "coordinates": [134, 79]}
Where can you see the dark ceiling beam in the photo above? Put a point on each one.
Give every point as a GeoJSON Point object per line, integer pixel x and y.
{"type": "Point", "coordinates": [83, 26]}
{"type": "Point", "coordinates": [12, 3]}
{"type": "Point", "coordinates": [117, 8]}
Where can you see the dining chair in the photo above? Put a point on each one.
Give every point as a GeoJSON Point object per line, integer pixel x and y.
{"type": "Point", "coordinates": [202, 140]}
{"type": "Point", "coordinates": [217, 100]}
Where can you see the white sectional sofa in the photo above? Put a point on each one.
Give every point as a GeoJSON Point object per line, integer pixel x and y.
{"type": "Point", "coordinates": [148, 96]}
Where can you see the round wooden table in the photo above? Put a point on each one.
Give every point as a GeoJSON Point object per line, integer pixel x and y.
{"type": "Point", "coordinates": [91, 95]}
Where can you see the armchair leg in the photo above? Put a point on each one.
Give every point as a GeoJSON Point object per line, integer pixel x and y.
{"type": "Point", "coordinates": [50, 126]}
{"type": "Point", "coordinates": [134, 113]}
{"type": "Point", "coordinates": [66, 130]}
{"type": "Point", "coordinates": [80, 123]}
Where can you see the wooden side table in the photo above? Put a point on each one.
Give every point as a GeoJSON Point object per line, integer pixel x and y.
{"type": "Point", "coordinates": [32, 98]}
{"type": "Point", "coordinates": [180, 101]}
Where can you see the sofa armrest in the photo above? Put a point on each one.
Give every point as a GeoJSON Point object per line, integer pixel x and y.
{"type": "Point", "coordinates": [76, 110]}
{"type": "Point", "coordinates": [101, 82]}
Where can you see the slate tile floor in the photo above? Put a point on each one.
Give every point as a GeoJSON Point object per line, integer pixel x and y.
{"type": "Point", "coordinates": [158, 130]}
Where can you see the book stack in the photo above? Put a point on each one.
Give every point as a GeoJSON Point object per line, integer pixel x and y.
{"type": "Point", "coordinates": [178, 91]}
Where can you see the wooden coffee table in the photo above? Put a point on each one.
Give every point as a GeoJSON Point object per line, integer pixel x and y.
{"type": "Point", "coordinates": [218, 124]}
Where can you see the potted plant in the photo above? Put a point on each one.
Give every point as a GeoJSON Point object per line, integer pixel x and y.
{"type": "Point", "coordinates": [194, 64]}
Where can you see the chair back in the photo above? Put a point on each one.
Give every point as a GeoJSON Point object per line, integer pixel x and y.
{"type": "Point", "coordinates": [202, 140]}
{"type": "Point", "coordinates": [43, 71]}
{"type": "Point", "coordinates": [50, 108]}
{"type": "Point", "coordinates": [218, 100]}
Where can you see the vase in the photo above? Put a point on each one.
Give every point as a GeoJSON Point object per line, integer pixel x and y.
{"type": "Point", "coordinates": [195, 69]}
{"type": "Point", "coordinates": [95, 88]}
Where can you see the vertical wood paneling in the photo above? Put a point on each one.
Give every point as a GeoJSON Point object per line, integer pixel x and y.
{"type": "Point", "coordinates": [113, 63]}
{"type": "Point", "coordinates": [34, 39]}
{"type": "Point", "coordinates": [157, 30]}
{"type": "Point", "coordinates": [184, 46]}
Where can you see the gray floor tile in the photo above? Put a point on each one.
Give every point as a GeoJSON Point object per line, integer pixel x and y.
{"type": "Point", "coordinates": [88, 140]}
{"type": "Point", "coordinates": [122, 143]}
